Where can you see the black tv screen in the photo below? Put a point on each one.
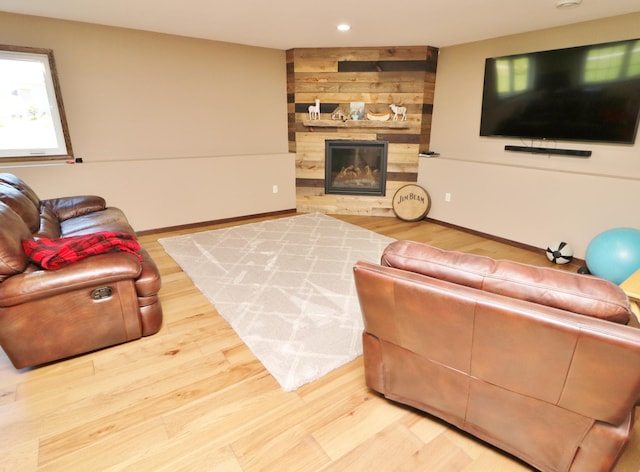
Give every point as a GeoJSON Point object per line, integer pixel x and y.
{"type": "Point", "coordinates": [587, 93]}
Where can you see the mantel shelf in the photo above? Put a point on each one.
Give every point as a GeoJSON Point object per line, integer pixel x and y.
{"type": "Point", "coordinates": [355, 124]}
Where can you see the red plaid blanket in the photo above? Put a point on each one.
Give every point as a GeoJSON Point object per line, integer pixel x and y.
{"type": "Point", "coordinates": [56, 253]}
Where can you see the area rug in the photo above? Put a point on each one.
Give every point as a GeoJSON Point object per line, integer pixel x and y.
{"type": "Point", "coordinates": [286, 287]}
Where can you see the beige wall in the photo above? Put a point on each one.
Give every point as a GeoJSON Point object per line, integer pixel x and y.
{"type": "Point", "coordinates": [534, 199]}
{"type": "Point", "coordinates": [177, 130]}
{"type": "Point", "coordinates": [173, 130]}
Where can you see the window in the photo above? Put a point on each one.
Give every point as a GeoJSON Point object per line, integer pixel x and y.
{"type": "Point", "coordinates": [613, 63]}
{"type": "Point", "coordinates": [633, 69]}
{"type": "Point", "coordinates": [513, 75]}
{"type": "Point", "coordinates": [32, 120]}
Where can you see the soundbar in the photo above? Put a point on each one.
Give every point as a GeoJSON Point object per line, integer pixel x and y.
{"type": "Point", "coordinates": [543, 150]}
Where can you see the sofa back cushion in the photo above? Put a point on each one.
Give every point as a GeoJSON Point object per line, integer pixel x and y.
{"type": "Point", "coordinates": [22, 186]}
{"type": "Point", "coordinates": [21, 204]}
{"type": "Point", "coordinates": [583, 294]}
{"type": "Point", "coordinates": [49, 224]}
{"type": "Point", "coordinates": [13, 231]}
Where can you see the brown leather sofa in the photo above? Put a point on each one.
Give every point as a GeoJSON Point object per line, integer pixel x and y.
{"type": "Point", "coordinates": [539, 362]}
{"type": "Point", "coordinates": [99, 301]}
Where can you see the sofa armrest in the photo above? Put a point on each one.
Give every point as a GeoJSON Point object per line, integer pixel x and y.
{"type": "Point", "coordinates": [149, 282]}
{"type": "Point", "coordinates": [90, 272]}
{"type": "Point", "coordinates": [71, 207]}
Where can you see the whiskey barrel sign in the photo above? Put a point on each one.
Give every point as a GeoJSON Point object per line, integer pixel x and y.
{"type": "Point", "coordinates": [411, 203]}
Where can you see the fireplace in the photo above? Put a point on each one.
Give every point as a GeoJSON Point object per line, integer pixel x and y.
{"type": "Point", "coordinates": [355, 167]}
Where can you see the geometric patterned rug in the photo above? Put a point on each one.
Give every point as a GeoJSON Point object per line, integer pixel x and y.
{"type": "Point", "coordinates": [286, 287]}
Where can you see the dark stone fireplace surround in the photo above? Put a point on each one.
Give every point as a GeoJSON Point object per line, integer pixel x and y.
{"type": "Point", "coordinates": [355, 167]}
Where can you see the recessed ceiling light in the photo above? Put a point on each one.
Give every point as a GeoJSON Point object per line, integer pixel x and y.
{"type": "Point", "coordinates": [568, 3]}
{"type": "Point", "coordinates": [344, 27]}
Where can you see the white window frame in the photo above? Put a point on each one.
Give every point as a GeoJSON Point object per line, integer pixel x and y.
{"type": "Point", "coordinates": [12, 147]}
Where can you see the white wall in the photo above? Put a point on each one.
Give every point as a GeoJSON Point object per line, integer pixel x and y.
{"type": "Point", "coordinates": [172, 130]}
{"type": "Point", "coordinates": [533, 199]}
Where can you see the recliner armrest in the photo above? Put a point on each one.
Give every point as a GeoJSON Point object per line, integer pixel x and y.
{"type": "Point", "coordinates": [71, 207]}
{"type": "Point", "coordinates": [89, 272]}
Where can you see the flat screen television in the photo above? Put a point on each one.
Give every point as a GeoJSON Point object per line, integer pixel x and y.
{"type": "Point", "coordinates": [587, 93]}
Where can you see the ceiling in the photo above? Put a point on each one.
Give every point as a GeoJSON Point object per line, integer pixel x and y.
{"type": "Point", "coordinates": [286, 24]}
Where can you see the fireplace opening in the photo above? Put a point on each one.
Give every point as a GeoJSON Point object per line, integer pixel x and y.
{"type": "Point", "coordinates": [355, 167]}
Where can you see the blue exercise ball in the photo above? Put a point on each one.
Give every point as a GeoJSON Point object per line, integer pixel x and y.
{"type": "Point", "coordinates": [614, 254]}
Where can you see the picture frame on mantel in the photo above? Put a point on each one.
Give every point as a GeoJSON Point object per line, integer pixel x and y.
{"type": "Point", "coordinates": [356, 111]}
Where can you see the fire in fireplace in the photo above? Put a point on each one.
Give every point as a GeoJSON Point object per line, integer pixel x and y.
{"type": "Point", "coordinates": [355, 167]}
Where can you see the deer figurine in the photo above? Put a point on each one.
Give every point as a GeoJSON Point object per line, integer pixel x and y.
{"type": "Point", "coordinates": [398, 111]}
{"type": "Point", "coordinates": [314, 110]}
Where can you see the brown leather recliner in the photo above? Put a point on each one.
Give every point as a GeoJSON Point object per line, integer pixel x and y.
{"type": "Point", "coordinates": [99, 301]}
{"type": "Point", "coordinates": [539, 362]}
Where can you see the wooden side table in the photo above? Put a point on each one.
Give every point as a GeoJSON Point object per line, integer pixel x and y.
{"type": "Point", "coordinates": [631, 287]}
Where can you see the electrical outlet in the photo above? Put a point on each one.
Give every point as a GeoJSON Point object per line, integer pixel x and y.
{"type": "Point", "coordinates": [275, 189]}
{"type": "Point", "coordinates": [447, 197]}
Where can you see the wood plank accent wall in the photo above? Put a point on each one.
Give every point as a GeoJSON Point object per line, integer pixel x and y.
{"type": "Point", "coordinates": [377, 76]}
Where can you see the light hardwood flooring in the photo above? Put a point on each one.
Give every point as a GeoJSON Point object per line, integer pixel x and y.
{"type": "Point", "coordinates": [194, 398]}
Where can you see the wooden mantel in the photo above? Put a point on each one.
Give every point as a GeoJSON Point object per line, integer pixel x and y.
{"type": "Point", "coordinates": [356, 124]}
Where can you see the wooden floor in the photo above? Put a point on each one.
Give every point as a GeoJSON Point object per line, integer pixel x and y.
{"type": "Point", "coordinates": [194, 398]}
